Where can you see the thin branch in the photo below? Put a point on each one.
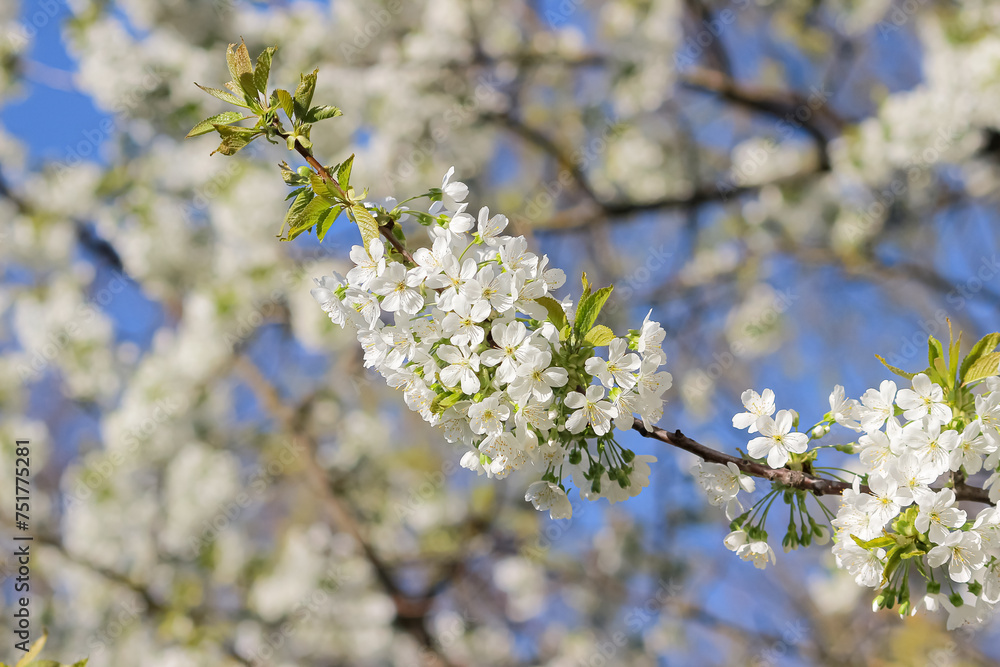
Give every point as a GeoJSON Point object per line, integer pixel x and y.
{"type": "Point", "coordinates": [795, 479]}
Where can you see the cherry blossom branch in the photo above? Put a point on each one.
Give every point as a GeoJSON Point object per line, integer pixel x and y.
{"type": "Point", "coordinates": [324, 173]}
{"type": "Point", "coordinates": [795, 479]}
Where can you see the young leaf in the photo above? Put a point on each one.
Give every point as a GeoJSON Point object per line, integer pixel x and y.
{"type": "Point", "coordinates": [366, 223]}
{"type": "Point", "coordinates": [295, 209]}
{"type": "Point", "coordinates": [986, 344]}
{"type": "Point", "coordinates": [304, 94]}
{"type": "Point", "coordinates": [590, 308]}
{"type": "Point", "coordinates": [344, 173]}
{"type": "Point", "coordinates": [208, 125]}
{"type": "Point", "coordinates": [986, 366]}
{"type": "Point", "coordinates": [284, 98]}
{"type": "Point", "coordinates": [934, 351]}
{"type": "Point", "coordinates": [586, 286]}
{"type": "Point", "coordinates": [323, 189]}
{"type": "Point", "coordinates": [234, 138]}
{"type": "Point", "coordinates": [321, 112]}
{"type": "Point", "coordinates": [307, 217]}
{"type": "Point", "coordinates": [326, 221]}
{"type": "Point", "coordinates": [241, 68]}
{"type": "Point", "coordinates": [290, 176]}
{"type": "Point", "coordinates": [263, 69]}
{"type": "Point", "coordinates": [599, 336]}
{"type": "Point", "coordinates": [877, 543]}
{"type": "Point", "coordinates": [36, 649]}
{"type": "Point", "coordinates": [224, 95]}
{"type": "Point", "coordinates": [898, 371]}
{"type": "Point", "coordinates": [953, 352]}
{"type": "Point", "coordinates": [556, 313]}
{"type": "Point", "coordinates": [942, 372]}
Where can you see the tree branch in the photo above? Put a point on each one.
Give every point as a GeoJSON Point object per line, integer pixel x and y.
{"type": "Point", "coordinates": [795, 479]}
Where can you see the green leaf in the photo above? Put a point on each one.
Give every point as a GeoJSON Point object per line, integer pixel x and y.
{"type": "Point", "coordinates": [934, 351]}
{"type": "Point", "coordinates": [208, 125]}
{"type": "Point", "coordinates": [344, 173]}
{"type": "Point", "coordinates": [366, 223]}
{"type": "Point", "coordinates": [35, 650]}
{"type": "Point", "coordinates": [224, 95]}
{"type": "Point", "coordinates": [263, 69]}
{"type": "Point", "coordinates": [307, 217]}
{"type": "Point", "coordinates": [324, 189]}
{"type": "Point", "coordinates": [985, 366]}
{"type": "Point", "coordinates": [590, 308]}
{"type": "Point", "coordinates": [304, 94]}
{"type": "Point", "coordinates": [986, 344]}
{"type": "Point", "coordinates": [953, 352]}
{"type": "Point", "coordinates": [290, 176]}
{"type": "Point", "coordinates": [898, 371]}
{"type": "Point", "coordinates": [877, 543]}
{"type": "Point", "coordinates": [301, 200]}
{"type": "Point", "coordinates": [234, 139]}
{"type": "Point", "coordinates": [586, 286]}
{"type": "Point", "coordinates": [564, 332]}
{"type": "Point", "coordinates": [556, 313]}
{"type": "Point", "coordinates": [599, 336]}
{"type": "Point", "coordinates": [942, 372]}
{"type": "Point", "coordinates": [321, 112]}
{"type": "Point", "coordinates": [241, 68]}
{"type": "Point", "coordinates": [326, 221]}
{"type": "Point", "coordinates": [295, 193]}
{"type": "Point", "coordinates": [912, 554]}
{"type": "Point", "coordinates": [284, 98]}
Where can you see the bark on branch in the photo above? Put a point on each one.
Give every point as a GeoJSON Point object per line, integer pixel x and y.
{"type": "Point", "coordinates": [795, 479]}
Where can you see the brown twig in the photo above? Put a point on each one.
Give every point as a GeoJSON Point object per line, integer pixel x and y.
{"type": "Point", "coordinates": [795, 479]}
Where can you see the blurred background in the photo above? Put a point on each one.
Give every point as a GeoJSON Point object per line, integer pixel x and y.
{"type": "Point", "coordinates": [790, 187]}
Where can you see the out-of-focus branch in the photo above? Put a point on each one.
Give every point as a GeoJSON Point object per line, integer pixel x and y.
{"type": "Point", "coordinates": [411, 612]}
{"type": "Point", "coordinates": [99, 246]}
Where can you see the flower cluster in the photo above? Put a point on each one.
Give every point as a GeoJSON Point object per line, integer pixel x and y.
{"type": "Point", "coordinates": [904, 517]}
{"type": "Point", "coordinates": [480, 348]}
{"type": "Point", "coordinates": [899, 519]}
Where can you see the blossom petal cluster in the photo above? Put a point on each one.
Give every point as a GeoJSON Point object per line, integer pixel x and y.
{"type": "Point", "coordinates": [468, 334]}
{"type": "Point", "coordinates": [912, 445]}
